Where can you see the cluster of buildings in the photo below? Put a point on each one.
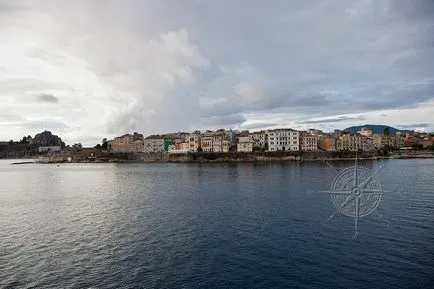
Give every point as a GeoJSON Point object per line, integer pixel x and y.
{"type": "Point", "coordinates": [267, 140]}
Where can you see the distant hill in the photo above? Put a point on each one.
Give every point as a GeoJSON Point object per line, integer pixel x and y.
{"type": "Point", "coordinates": [29, 148]}
{"type": "Point", "coordinates": [375, 128]}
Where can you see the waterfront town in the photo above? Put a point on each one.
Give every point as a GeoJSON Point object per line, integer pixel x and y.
{"type": "Point", "coordinates": [269, 140]}
{"type": "Point", "coordinates": [276, 143]}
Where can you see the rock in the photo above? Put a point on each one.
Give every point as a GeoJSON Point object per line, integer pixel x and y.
{"type": "Point", "coordinates": [46, 138]}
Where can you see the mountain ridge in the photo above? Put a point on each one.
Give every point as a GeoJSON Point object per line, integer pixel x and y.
{"type": "Point", "coordinates": [376, 128]}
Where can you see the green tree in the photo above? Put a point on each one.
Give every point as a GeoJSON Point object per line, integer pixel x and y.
{"type": "Point", "coordinates": [25, 139]}
{"type": "Point", "coordinates": [104, 143]}
{"type": "Point", "coordinates": [77, 146]}
{"type": "Point", "coordinates": [417, 146]}
{"type": "Point", "coordinates": [386, 131]}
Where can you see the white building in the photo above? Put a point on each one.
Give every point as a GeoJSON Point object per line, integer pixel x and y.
{"type": "Point", "coordinates": [44, 149]}
{"type": "Point", "coordinates": [193, 141]}
{"type": "Point", "coordinates": [153, 145]}
{"type": "Point", "coordinates": [283, 140]}
{"type": "Point", "coordinates": [178, 149]}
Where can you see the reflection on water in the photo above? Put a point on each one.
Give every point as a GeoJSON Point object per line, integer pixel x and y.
{"type": "Point", "coordinates": [210, 225]}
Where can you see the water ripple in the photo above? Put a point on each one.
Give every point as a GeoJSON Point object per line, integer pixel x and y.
{"type": "Point", "coordinates": [210, 226]}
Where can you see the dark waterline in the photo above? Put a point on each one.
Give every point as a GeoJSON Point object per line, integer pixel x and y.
{"type": "Point", "coordinates": [211, 226]}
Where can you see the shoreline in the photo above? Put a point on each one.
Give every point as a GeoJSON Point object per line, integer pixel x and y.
{"type": "Point", "coordinates": [218, 160]}
{"type": "Point", "coordinates": [210, 157]}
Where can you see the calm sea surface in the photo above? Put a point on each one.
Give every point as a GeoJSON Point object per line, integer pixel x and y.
{"type": "Point", "coordinates": [211, 226]}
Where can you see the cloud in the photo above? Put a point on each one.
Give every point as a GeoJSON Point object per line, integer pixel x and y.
{"type": "Point", "coordinates": [155, 66]}
{"type": "Point", "coordinates": [40, 125]}
{"type": "Point", "coordinates": [45, 97]}
{"type": "Point", "coordinates": [258, 126]}
{"type": "Point", "coordinates": [415, 125]}
{"type": "Point", "coordinates": [8, 117]}
{"type": "Point", "coordinates": [226, 121]}
{"type": "Point", "coordinates": [156, 92]}
{"type": "Point", "coordinates": [331, 120]}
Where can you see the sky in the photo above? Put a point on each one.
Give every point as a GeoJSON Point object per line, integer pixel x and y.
{"type": "Point", "coordinates": [89, 69]}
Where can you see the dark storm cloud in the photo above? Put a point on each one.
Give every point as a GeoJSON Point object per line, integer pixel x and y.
{"type": "Point", "coordinates": [310, 101]}
{"type": "Point", "coordinates": [356, 100]}
{"type": "Point", "coordinates": [335, 58]}
{"type": "Point", "coordinates": [270, 101]}
{"type": "Point", "coordinates": [403, 95]}
{"type": "Point", "coordinates": [45, 97]}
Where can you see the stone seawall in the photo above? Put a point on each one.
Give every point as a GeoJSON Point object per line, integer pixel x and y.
{"type": "Point", "coordinates": [249, 157]}
{"type": "Point", "coordinates": [207, 157]}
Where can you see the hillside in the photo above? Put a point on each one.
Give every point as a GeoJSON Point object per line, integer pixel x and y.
{"type": "Point", "coordinates": [29, 147]}
{"type": "Point", "coordinates": [375, 128]}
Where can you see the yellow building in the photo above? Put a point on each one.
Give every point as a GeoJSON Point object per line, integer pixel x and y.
{"type": "Point", "coordinates": [193, 141]}
{"type": "Point", "coordinates": [396, 142]}
{"type": "Point", "coordinates": [214, 141]}
{"type": "Point", "coordinates": [124, 139]}
{"type": "Point", "coordinates": [426, 143]}
{"type": "Point", "coordinates": [380, 141]}
{"type": "Point", "coordinates": [244, 144]}
{"type": "Point", "coordinates": [133, 147]}
{"type": "Point", "coordinates": [127, 143]}
{"type": "Point", "coordinates": [327, 143]}
{"type": "Point", "coordinates": [226, 146]}
{"type": "Point", "coordinates": [349, 142]}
